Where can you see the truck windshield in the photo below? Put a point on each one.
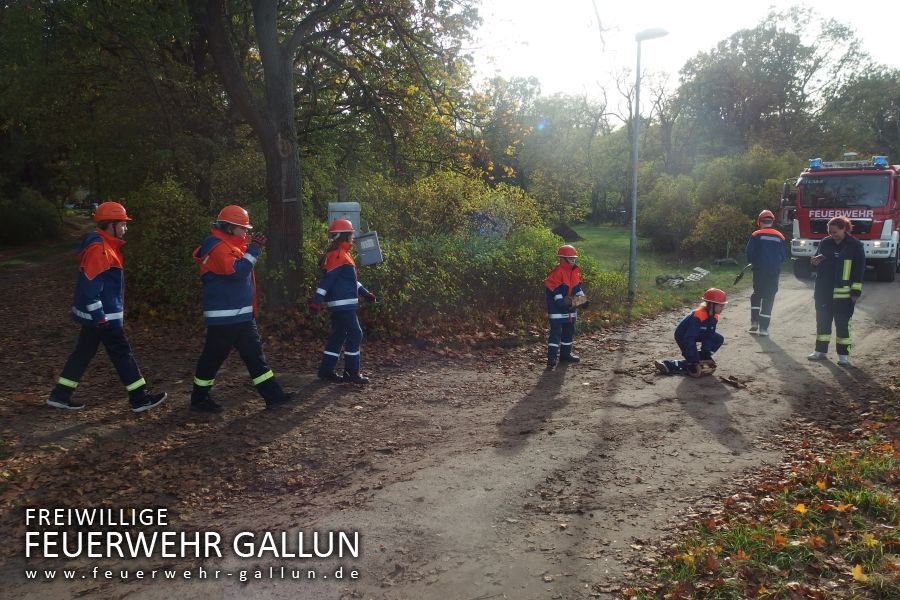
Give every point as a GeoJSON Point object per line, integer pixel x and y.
{"type": "Point", "coordinates": [842, 191]}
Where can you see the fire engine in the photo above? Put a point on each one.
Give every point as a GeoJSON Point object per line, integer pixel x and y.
{"type": "Point", "coordinates": [865, 191]}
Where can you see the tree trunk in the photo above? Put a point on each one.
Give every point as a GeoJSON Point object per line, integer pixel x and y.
{"type": "Point", "coordinates": [283, 286]}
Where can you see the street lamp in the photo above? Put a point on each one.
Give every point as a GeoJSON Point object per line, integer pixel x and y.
{"type": "Point", "coordinates": [647, 34]}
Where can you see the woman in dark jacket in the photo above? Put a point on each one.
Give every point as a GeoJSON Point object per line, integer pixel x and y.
{"type": "Point", "coordinates": [841, 265]}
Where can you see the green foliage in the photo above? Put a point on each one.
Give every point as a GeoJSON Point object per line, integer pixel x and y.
{"type": "Point", "coordinates": [28, 217]}
{"type": "Point", "coordinates": [442, 204]}
{"type": "Point", "coordinates": [168, 224]}
{"type": "Point", "coordinates": [450, 281]}
{"type": "Point", "coordinates": [668, 213]}
{"type": "Point", "coordinates": [719, 231]}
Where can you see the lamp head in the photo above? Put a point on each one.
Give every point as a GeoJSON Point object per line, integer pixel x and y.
{"type": "Point", "coordinates": [650, 34]}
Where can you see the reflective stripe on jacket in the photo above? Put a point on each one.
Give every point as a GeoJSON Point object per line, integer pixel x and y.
{"type": "Point", "coordinates": [100, 289]}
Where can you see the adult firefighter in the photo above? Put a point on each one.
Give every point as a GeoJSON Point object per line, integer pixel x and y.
{"type": "Point", "coordinates": [699, 327]}
{"type": "Point", "coordinates": [99, 307]}
{"type": "Point", "coordinates": [563, 293]}
{"type": "Point", "coordinates": [226, 263]}
{"type": "Point", "coordinates": [765, 250]}
{"type": "Point", "coordinates": [840, 265]}
{"type": "Point", "coordinates": [339, 290]}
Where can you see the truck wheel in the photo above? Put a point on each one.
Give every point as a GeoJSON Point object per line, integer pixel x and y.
{"type": "Point", "coordinates": [886, 270]}
{"type": "Point", "coordinates": [802, 269]}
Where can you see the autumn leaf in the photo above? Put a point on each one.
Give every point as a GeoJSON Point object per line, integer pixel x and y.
{"type": "Point", "coordinates": [821, 485]}
{"type": "Point", "coordinates": [779, 540]}
{"type": "Point", "coordinates": [800, 508]}
{"type": "Point", "coordinates": [816, 541]}
{"type": "Point", "coordinates": [741, 555]}
{"type": "Point", "coordinates": [858, 574]}
{"type": "Point", "coordinates": [869, 540]}
{"type": "Point", "coordinates": [841, 507]}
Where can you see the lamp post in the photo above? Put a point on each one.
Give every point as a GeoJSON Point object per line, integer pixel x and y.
{"type": "Point", "coordinates": [647, 34]}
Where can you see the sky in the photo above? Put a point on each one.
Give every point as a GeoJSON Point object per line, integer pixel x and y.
{"type": "Point", "coordinates": [559, 41]}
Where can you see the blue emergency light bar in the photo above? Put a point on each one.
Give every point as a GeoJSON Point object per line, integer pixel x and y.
{"type": "Point", "coordinates": [877, 162]}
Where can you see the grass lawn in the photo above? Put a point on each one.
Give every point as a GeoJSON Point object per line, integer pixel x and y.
{"type": "Point", "coordinates": [609, 246]}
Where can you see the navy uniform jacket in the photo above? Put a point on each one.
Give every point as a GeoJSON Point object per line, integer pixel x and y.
{"type": "Point", "coordinates": [339, 288]}
{"type": "Point", "coordinates": [697, 327]}
{"type": "Point", "coordinates": [100, 289]}
{"type": "Point", "coordinates": [229, 285]}
{"type": "Point", "coordinates": [563, 281]}
{"type": "Point", "coordinates": [765, 250]}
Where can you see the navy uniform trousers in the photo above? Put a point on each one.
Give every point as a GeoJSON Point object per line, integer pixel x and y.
{"type": "Point", "coordinates": [119, 350]}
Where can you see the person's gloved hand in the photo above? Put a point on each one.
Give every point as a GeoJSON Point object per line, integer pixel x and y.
{"type": "Point", "coordinates": [693, 369]}
{"type": "Point", "coordinates": [369, 296]}
{"type": "Point", "coordinates": [259, 239]}
{"type": "Point", "coordinates": [314, 307]}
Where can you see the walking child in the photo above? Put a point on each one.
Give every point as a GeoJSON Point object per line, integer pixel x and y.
{"type": "Point", "coordinates": [697, 328]}
{"type": "Point", "coordinates": [229, 308]}
{"type": "Point", "coordinates": [99, 307]}
{"type": "Point", "coordinates": [339, 290]}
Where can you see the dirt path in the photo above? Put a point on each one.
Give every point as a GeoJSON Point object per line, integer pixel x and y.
{"type": "Point", "coordinates": [475, 476]}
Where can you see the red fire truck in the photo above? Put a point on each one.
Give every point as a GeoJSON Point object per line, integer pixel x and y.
{"type": "Point", "coordinates": [865, 191]}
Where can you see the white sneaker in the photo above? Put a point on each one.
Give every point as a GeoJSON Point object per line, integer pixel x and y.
{"type": "Point", "coordinates": [843, 359]}
{"type": "Point", "coordinates": [817, 356]}
{"type": "Point", "coordinates": [763, 331]}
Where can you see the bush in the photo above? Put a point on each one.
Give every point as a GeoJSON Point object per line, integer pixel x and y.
{"type": "Point", "coordinates": [718, 231]}
{"type": "Point", "coordinates": [452, 283]}
{"type": "Point", "coordinates": [28, 217]}
{"type": "Point", "coordinates": [444, 203]}
{"type": "Point", "coordinates": [168, 224]}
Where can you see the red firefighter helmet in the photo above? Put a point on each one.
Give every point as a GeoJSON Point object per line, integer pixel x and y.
{"type": "Point", "coordinates": [716, 296]}
{"type": "Point", "coordinates": [567, 251]}
{"type": "Point", "coordinates": [340, 226]}
{"type": "Point", "coordinates": [111, 211]}
{"type": "Point", "coordinates": [766, 214]}
{"type": "Point", "coordinates": [235, 215]}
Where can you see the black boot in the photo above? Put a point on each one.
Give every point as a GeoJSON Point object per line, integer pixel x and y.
{"type": "Point", "coordinates": [331, 376]}
{"type": "Point", "coordinates": [570, 358]}
{"type": "Point", "coordinates": [355, 377]}
{"type": "Point", "coordinates": [551, 364]}
{"type": "Point", "coordinates": [206, 405]}
{"type": "Point", "coordinates": [279, 401]}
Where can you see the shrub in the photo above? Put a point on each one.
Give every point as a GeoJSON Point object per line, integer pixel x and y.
{"type": "Point", "coordinates": [444, 203]}
{"type": "Point", "coordinates": [718, 231]}
{"type": "Point", "coordinates": [456, 282]}
{"type": "Point", "coordinates": [168, 224]}
{"type": "Point", "coordinates": [28, 217]}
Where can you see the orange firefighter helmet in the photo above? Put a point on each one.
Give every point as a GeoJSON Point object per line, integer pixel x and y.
{"type": "Point", "coordinates": [766, 214]}
{"type": "Point", "coordinates": [716, 296]}
{"type": "Point", "coordinates": [235, 215]}
{"type": "Point", "coordinates": [567, 251]}
{"type": "Point", "coordinates": [111, 211]}
{"type": "Point", "coordinates": [340, 226]}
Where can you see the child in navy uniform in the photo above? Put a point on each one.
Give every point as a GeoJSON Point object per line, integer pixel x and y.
{"type": "Point", "coordinates": [561, 288]}
{"type": "Point", "coordinates": [699, 327]}
{"type": "Point", "coordinates": [339, 290]}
